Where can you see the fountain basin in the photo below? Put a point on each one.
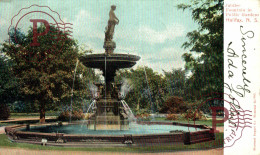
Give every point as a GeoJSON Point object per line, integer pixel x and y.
{"type": "Point", "coordinates": [142, 133]}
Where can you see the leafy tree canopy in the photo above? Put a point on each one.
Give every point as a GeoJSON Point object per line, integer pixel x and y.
{"type": "Point", "coordinates": [46, 72]}
{"type": "Point", "coordinates": [206, 65]}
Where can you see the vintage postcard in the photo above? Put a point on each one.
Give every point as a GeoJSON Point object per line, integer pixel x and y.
{"type": "Point", "coordinates": [129, 77]}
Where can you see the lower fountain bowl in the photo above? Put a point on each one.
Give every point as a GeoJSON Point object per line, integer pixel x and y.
{"type": "Point", "coordinates": [115, 61]}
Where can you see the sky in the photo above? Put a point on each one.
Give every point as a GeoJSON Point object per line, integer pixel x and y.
{"type": "Point", "coordinates": [152, 29]}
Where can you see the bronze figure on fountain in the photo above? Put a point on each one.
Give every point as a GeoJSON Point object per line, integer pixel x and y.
{"type": "Point", "coordinates": [109, 44]}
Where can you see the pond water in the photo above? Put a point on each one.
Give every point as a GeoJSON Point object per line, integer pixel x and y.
{"type": "Point", "coordinates": [133, 129]}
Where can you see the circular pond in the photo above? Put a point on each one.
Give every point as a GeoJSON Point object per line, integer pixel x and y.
{"type": "Point", "coordinates": [135, 129]}
{"type": "Point", "coordinates": [140, 133]}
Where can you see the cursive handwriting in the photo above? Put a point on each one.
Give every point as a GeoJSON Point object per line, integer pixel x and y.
{"type": "Point", "coordinates": [239, 89]}
{"type": "Point", "coordinates": [233, 54]}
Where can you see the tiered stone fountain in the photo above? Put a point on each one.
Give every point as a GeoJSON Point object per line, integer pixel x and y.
{"type": "Point", "coordinates": [108, 113]}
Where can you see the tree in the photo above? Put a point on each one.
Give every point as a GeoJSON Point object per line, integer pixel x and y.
{"type": "Point", "coordinates": [8, 83]}
{"type": "Point", "coordinates": [206, 43]}
{"type": "Point", "coordinates": [175, 82]}
{"type": "Point", "coordinates": [45, 73]}
{"type": "Point", "coordinates": [147, 88]}
{"type": "Point", "coordinates": [8, 87]}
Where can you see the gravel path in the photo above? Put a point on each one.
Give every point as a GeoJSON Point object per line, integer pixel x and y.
{"type": "Point", "coordinates": [11, 151]}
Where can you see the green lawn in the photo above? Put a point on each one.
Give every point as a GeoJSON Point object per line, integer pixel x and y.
{"type": "Point", "coordinates": [36, 115]}
{"type": "Point", "coordinates": [201, 122]}
{"type": "Point", "coordinates": [52, 114]}
{"type": "Point", "coordinates": [30, 115]}
{"type": "Point", "coordinates": [218, 143]}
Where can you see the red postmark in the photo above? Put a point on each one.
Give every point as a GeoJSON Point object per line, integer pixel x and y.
{"type": "Point", "coordinates": [234, 117]}
{"type": "Point", "coordinates": [54, 29]}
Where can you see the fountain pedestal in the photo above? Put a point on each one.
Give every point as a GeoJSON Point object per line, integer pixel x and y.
{"type": "Point", "coordinates": [109, 112]}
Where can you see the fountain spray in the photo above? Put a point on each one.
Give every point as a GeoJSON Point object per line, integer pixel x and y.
{"type": "Point", "coordinates": [71, 99]}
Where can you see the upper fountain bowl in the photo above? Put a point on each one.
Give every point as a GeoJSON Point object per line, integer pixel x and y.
{"type": "Point", "coordinates": [115, 61]}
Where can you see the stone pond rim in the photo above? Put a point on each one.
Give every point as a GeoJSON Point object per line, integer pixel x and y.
{"type": "Point", "coordinates": [115, 61]}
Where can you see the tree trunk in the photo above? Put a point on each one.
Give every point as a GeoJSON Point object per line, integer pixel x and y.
{"type": "Point", "coordinates": [42, 113]}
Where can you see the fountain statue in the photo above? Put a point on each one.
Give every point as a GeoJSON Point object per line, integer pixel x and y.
{"type": "Point", "coordinates": [109, 44]}
{"type": "Point", "coordinates": [108, 110]}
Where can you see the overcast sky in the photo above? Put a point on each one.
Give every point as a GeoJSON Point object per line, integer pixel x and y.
{"type": "Point", "coordinates": [152, 29]}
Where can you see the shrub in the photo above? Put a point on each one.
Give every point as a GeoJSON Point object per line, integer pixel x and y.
{"type": "Point", "coordinates": [76, 115]}
{"type": "Point", "coordinates": [4, 112]}
{"type": "Point", "coordinates": [172, 117]}
{"type": "Point", "coordinates": [194, 115]}
{"type": "Point", "coordinates": [87, 116]}
{"type": "Point", "coordinates": [174, 104]}
{"type": "Point", "coordinates": [143, 115]}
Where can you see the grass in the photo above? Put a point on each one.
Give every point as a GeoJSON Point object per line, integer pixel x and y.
{"type": "Point", "coordinates": [13, 117]}
{"type": "Point", "coordinates": [36, 115]}
{"type": "Point", "coordinates": [201, 122]}
{"type": "Point", "coordinates": [218, 143]}
{"type": "Point", "coordinates": [5, 124]}
{"type": "Point", "coordinates": [30, 115]}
